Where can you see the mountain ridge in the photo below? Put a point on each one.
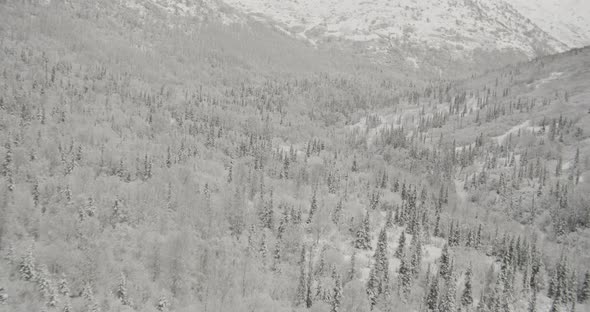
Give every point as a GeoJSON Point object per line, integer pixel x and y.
{"type": "Point", "coordinates": [457, 27]}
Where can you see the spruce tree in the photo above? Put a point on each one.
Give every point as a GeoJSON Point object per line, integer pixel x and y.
{"type": "Point", "coordinates": [405, 278]}
{"type": "Point", "coordinates": [337, 213]}
{"type": "Point", "coordinates": [27, 265]}
{"type": "Point", "coordinates": [380, 255]}
{"type": "Point", "coordinates": [46, 286]}
{"type": "Point", "coordinates": [337, 292]}
{"type": "Point", "coordinates": [467, 296]}
{"type": "Point", "coordinates": [63, 288]}
{"type": "Point", "coordinates": [313, 207]}
{"type": "Point", "coordinates": [372, 287]}
{"type": "Point", "coordinates": [399, 251]}
{"type": "Point", "coordinates": [121, 291]}
{"type": "Point", "coordinates": [363, 240]}
{"type": "Point", "coordinates": [162, 304]}
{"type": "Point", "coordinates": [90, 304]}
{"type": "Point", "coordinates": [263, 250]}
{"type": "Point", "coordinates": [6, 165]}
{"type": "Point", "coordinates": [308, 300]}
{"type": "Point", "coordinates": [432, 297]}
{"type": "Point", "coordinates": [447, 302]}
{"type": "Point", "coordinates": [416, 257]}
{"type": "Point", "coordinates": [301, 293]}
{"type": "Point", "coordinates": [384, 288]}
{"type": "Point", "coordinates": [556, 306]}
{"type": "Point", "coordinates": [276, 256]}
{"type": "Point", "coordinates": [478, 237]}
{"type": "Point", "coordinates": [352, 270]}
{"type": "Point", "coordinates": [532, 307]}
{"type": "Point", "coordinates": [444, 263]}
{"type": "Point", "coordinates": [584, 295]}
{"type": "Point", "coordinates": [572, 287]}
{"type": "Point", "coordinates": [389, 220]}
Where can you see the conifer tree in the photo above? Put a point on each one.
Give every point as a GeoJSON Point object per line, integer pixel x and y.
{"type": "Point", "coordinates": [380, 256]}
{"type": "Point", "coordinates": [263, 250]}
{"type": "Point", "coordinates": [437, 231]}
{"type": "Point", "coordinates": [384, 178]}
{"type": "Point", "coordinates": [389, 219]}
{"type": "Point", "coordinates": [467, 295]}
{"type": "Point", "coordinates": [337, 292]}
{"type": "Point", "coordinates": [63, 288]}
{"type": "Point", "coordinates": [405, 278]}
{"type": "Point", "coordinates": [308, 301]}
{"type": "Point", "coordinates": [556, 306]}
{"type": "Point", "coordinates": [90, 304]}
{"type": "Point", "coordinates": [162, 304]}
{"type": "Point", "coordinates": [584, 295]}
{"type": "Point", "coordinates": [36, 193]}
{"type": "Point", "coordinates": [416, 250]}
{"type": "Point", "coordinates": [6, 165]}
{"type": "Point", "coordinates": [285, 170]}
{"type": "Point", "coordinates": [337, 213]}
{"type": "Point", "coordinates": [572, 287]}
{"type": "Point", "coordinates": [372, 287]}
{"type": "Point", "coordinates": [313, 208]}
{"type": "Point", "coordinates": [478, 237]}
{"type": "Point", "coordinates": [400, 251]}
{"type": "Point", "coordinates": [363, 240]}
{"type": "Point", "coordinates": [444, 268]}
{"type": "Point", "coordinates": [301, 293]}
{"type": "Point", "coordinates": [432, 296]}
{"type": "Point", "coordinates": [482, 305]}
{"type": "Point", "coordinates": [532, 307]}
{"type": "Point", "coordinates": [27, 265]}
{"type": "Point", "coordinates": [121, 291]}
{"type": "Point", "coordinates": [276, 255]}
{"type": "Point", "coordinates": [168, 158]}
{"type": "Point", "coordinates": [352, 269]}
{"type": "Point", "coordinates": [322, 263]}
{"type": "Point", "coordinates": [46, 286]}
{"type": "Point", "coordinates": [267, 213]}
{"type": "Point", "coordinates": [384, 285]}
{"type": "Point", "coordinates": [147, 168]}
{"type": "Point", "coordinates": [447, 302]}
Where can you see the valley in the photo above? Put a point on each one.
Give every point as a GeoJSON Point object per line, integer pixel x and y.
{"type": "Point", "coordinates": [190, 156]}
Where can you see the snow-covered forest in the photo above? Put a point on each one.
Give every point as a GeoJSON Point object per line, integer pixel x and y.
{"type": "Point", "coordinates": [158, 162]}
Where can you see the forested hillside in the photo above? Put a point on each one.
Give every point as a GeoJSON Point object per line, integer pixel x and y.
{"type": "Point", "coordinates": [150, 163]}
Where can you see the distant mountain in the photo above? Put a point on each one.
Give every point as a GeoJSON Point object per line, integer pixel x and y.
{"type": "Point", "coordinates": [432, 31]}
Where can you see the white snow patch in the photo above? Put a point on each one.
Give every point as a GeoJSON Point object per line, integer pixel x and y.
{"type": "Point", "coordinates": [413, 61]}
{"type": "Point", "coordinates": [545, 80]}
{"type": "Point", "coordinates": [525, 126]}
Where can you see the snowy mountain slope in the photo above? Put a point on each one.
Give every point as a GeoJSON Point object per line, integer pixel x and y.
{"type": "Point", "coordinates": [200, 9]}
{"type": "Point", "coordinates": [454, 26]}
{"type": "Point", "coordinates": [568, 20]}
